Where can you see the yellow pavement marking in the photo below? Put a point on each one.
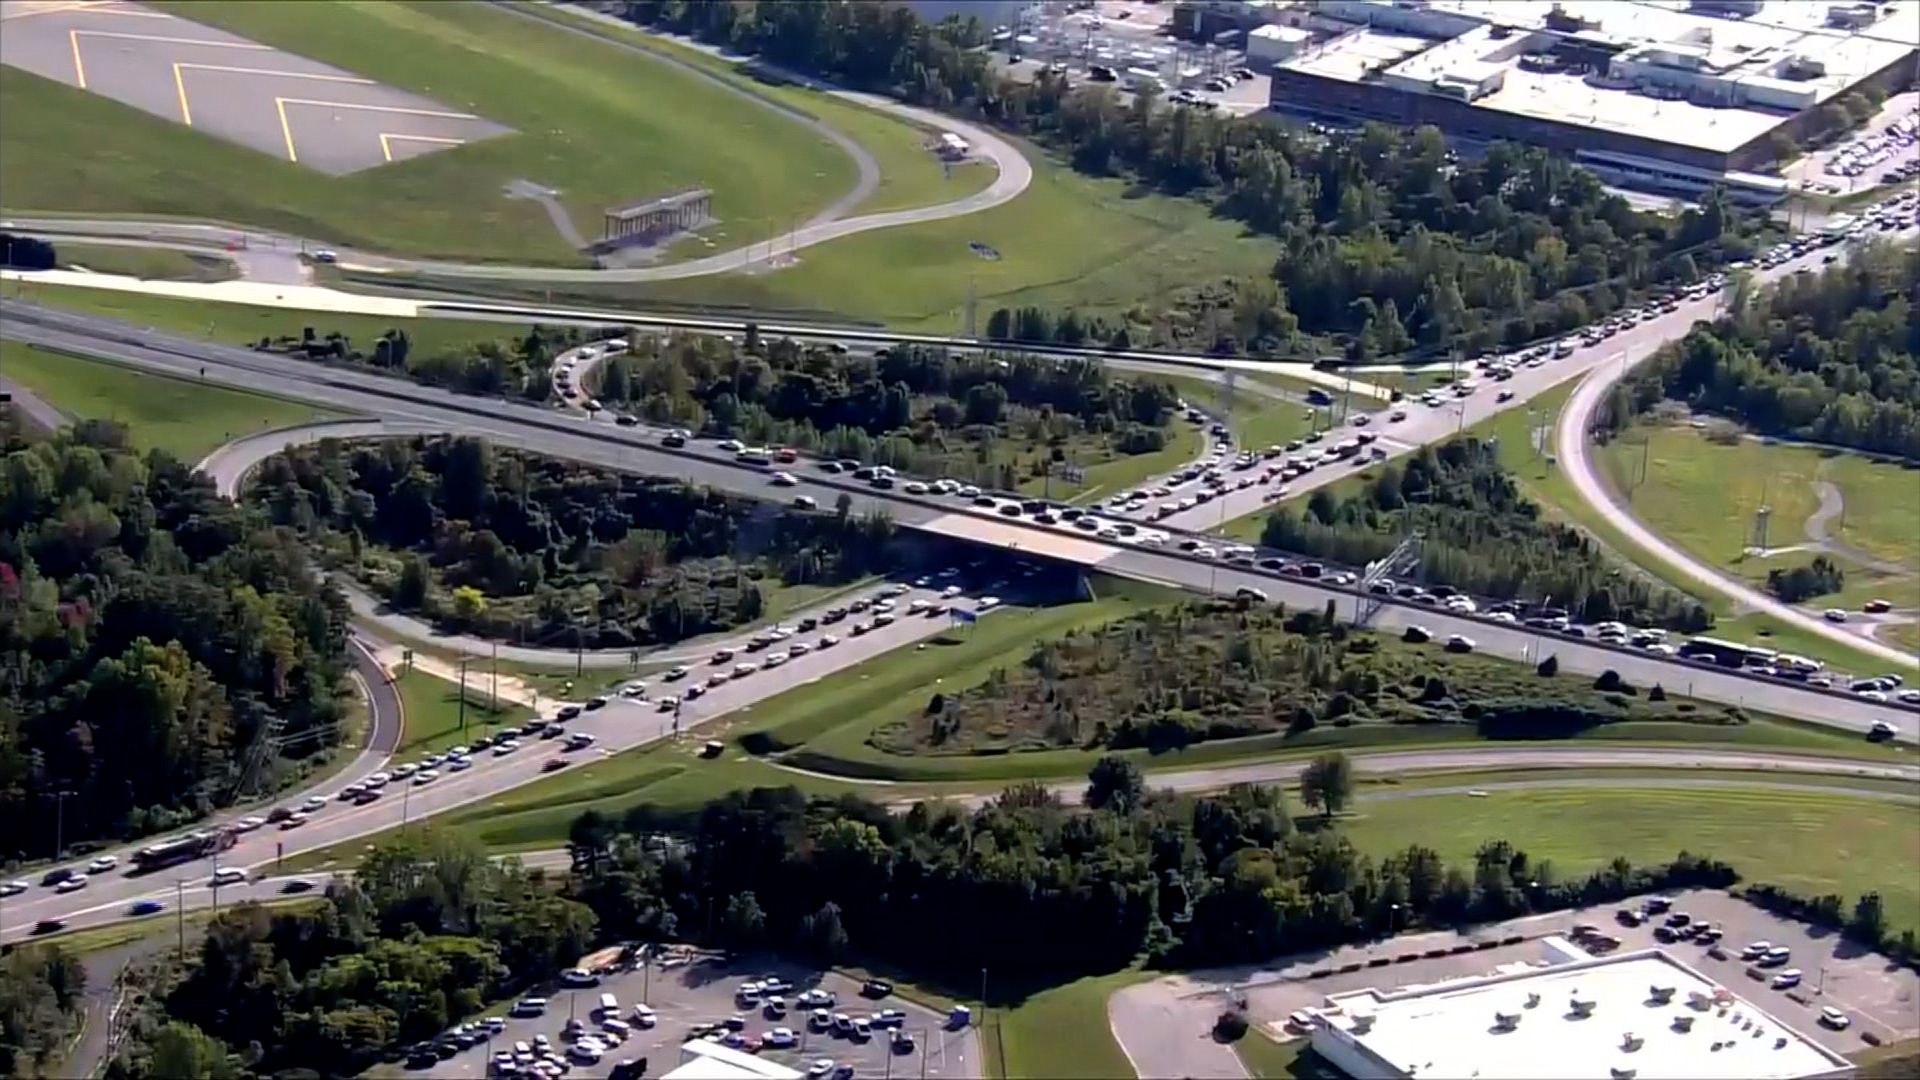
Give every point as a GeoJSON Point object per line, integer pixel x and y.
{"type": "Point", "coordinates": [280, 104]}
{"type": "Point", "coordinates": [386, 148]}
{"type": "Point", "coordinates": [378, 108]}
{"type": "Point", "coordinates": [82, 8]}
{"type": "Point", "coordinates": [180, 87]}
{"type": "Point", "coordinates": [283, 74]}
{"type": "Point", "coordinates": [177, 40]}
{"type": "Point", "coordinates": [79, 69]}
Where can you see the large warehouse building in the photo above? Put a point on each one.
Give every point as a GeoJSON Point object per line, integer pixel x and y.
{"type": "Point", "coordinates": [1639, 1014]}
{"type": "Point", "coordinates": [1649, 91]}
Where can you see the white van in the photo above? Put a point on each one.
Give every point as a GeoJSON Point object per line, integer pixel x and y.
{"type": "Point", "coordinates": [533, 1006]}
{"type": "Point", "coordinates": [1779, 954]}
{"type": "Point", "coordinates": [609, 1005]}
{"type": "Point", "coordinates": [1787, 979]}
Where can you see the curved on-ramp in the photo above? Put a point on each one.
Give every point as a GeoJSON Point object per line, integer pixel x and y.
{"type": "Point", "coordinates": [1576, 460]}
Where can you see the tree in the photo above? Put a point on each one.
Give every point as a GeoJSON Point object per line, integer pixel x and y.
{"type": "Point", "coordinates": [469, 603]}
{"type": "Point", "coordinates": [1327, 783]}
{"type": "Point", "coordinates": [183, 1051]}
{"type": "Point", "coordinates": [1869, 923]}
{"type": "Point", "coordinates": [823, 936]}
{"type": "Point", "coordinates": [744, 922]}
{"type": "Point", "coordinates": [1114, 783]}
{"type": "Point", "coordinates": [986, 403]}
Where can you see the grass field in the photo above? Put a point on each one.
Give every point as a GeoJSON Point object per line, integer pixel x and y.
{"type": "Point", "coordinates": [1703, 496]}
{"type": "Point", "coordinates": [1812, 842]}
{"type": "Point", "coordinates": [244, 324]}
{"type": "Point", "coordinates": [909, 175]}
{"type": "Point", "coordinates": [433, 713]}
{"type": "Point", "coordinates": [186, 419]}
{"type": "Point", "coordinates": [1059, 1032]}
{"type": "Point", "coordinates": [150, 263]}
{"type": "Point", "coordinates": [587, 116]}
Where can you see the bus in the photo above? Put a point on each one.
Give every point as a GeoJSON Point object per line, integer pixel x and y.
{"type": "Point", "coordinates": [1726, 653]}
{"type": "Point", "coordinates": [182, 849]}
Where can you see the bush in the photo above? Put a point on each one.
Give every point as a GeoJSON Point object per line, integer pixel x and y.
{"type": "Point", "coordinates": [1658, 693]}
{"type": "Point", "coordinates": [1609, 682]}
{"type": "Point", "coordinates": [1230, 1026]}
{"type": "Point", "coordinates": [1549, 667]}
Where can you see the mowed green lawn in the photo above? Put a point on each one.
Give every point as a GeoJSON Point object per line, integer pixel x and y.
{"type": "Point", "coordinates": [1069, 241]}
{"type": "Point", "coordinates": [590, 122]}
{"type": "Point", "coordinates": [433, 713]}
{"type": "Point", "coordinates": [1810, 841]}
{"type": "Point", "coordinates": [910, 175]}
{"type": "Point", "coordinates": [184, 418]}
{"type": "Point", "coordinates": [1703, 495]}
{"type": "Point", "coordinates": [150, 263]}
{"type": "Point", "coordinates": [245, 324]}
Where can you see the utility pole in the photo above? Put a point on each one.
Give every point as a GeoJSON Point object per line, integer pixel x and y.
{"type": "Point", "coordinates": [493, 692]}
{"type": "Point", "coordinates": [60, 821]}
{"type": "Point", "coordinates": [463, 695]}
{"type": "Point", "coordinates": [180, 913]}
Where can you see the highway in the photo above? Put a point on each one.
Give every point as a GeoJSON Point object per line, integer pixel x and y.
{"type": "Point", "coordinates": [622, 724]}
{"type": "Point", "coordinates": [551, 432]}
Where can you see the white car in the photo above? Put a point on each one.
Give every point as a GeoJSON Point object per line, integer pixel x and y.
{"type": "Point", "coordinates": [508, 746]}
{"type": "Point", "coordinates": [827, 641]}
{"type": "Point", "coordinates": [102, 864]}
{"type": "Point", "coordinates": [227, 875]}
{"type": "Point", "coordinates": [634, 689]}
{"type": "Point", "coordinates": [248, 824]}
{"type": "Point", "coordinates": [313, 805]}
{"type": "Point", "coordinates": [784, 479]}
{"type": "Point", "coordinates": [1834, 1018]}
{"type": "Point", "coordinates": [460, 764]}
{"type": "Point", "coordinates": [72, 884]}
{"type": "Point", "coordinates": [426, 776]}
{"type": "Point", "coordinates": [987, 603]}
{"type": "Point", "coordinates": [679, 673]}
{"type": "Point", "coordinates": [13, 888]}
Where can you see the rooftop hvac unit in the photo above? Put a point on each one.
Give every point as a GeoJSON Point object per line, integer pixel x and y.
{"type": "Point", "coordinates": [1631, 1042]}
{"type": "Point", "coordinates": [1505, 1021]}
{"type": "Point", "coordinates": [1362, 1023]}
{"type": "Point", "coordinates": [1683, 1023]}
{"type": "Point", "coordinates": [1533, 1001]}
{"type": "Point", "coordinates": [1622, 1073]}
{"type": "Point", "coordinates": [1660, 995]}
{"type": "Point", "coordinates": [1580, 1006]}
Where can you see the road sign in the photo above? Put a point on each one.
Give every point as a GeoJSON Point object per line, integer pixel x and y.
{"type": "Point", "coordinates": [965, 616]}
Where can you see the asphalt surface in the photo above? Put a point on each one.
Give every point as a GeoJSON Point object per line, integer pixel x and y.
{"type": "Point", "coordinates": [1492, 758]}
{"type": "Point", "coordinates": [621, 725]}
{"type": "Point", "coordinates": [32, 408]}
{"type": "Point", "coordinates": [636, 449]}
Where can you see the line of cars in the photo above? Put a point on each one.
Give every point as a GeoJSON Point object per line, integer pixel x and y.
{"type": "Point", "coordinates": [1863, 156]}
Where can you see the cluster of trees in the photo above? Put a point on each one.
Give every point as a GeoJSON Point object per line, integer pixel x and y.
{"type": "Point", "coordinates": [1865, 924]}
{"type": "Point", "coordinates": [507, 367]}
{"type": "Point", "coordinates": [40, 990]}
{"type": "Point", "coordinates": [1820, 577]}
{"type": "Point", "coordinates": [923, 410]}
{"type": "Point", "coordinates": [1392, 241]}
{"type": "Point", "coordinates": [1031, 888]}
{"type": "Point", "coordinates": [151, 633]}
{"type": "Point", "coordinates": [519, 546]}
{"type": "Point", "coordinates": [1481, 536]}
{"type": "Point", "coordinates": [428, 931]}
{"type": "Point", "coordinates": [1832, 357]}
{"type": "Point", "coordinates": [1170, 677]}
{"type": "Point", "coordinates": [27, 253]}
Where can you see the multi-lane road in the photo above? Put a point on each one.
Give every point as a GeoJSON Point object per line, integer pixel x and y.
{"type": "Point", "coordinates": [636, 449]}
{"type": "Point", "coordinates": [622, 724]}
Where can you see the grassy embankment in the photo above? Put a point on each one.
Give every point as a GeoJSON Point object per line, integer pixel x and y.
{"type": "Point", "coordinates": [615, 146]}
{"type": "Point", "coordinates": [161, 264]}
{"type": "Point", "coordinates": [184, 418]}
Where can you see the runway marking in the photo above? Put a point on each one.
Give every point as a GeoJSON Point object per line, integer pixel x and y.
{"type": "Point", "coordinates": [177, 40]}
{"type": "Point", "coordinates": [85, 7]}
{"type": "Point", "coordinates": [180, 85]}
{"type": "Point", "coordinates": [386, 137]}
{"type": "Point", "coordinates": [280, 105]}
{"type": "Point", "coordinates": [378, 108]}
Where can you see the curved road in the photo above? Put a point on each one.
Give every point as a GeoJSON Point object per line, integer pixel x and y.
{"type": "Point", "coordinates": [1015, 174]}
{"type": "Point", "coordinates": [1577, 464]}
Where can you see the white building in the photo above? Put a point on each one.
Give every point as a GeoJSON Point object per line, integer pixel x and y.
{"type": "Point", "coordinates": [1273, 43]}
{"type": "Point", "coordinates": [1640, 1014]}
{"type": "Point", "coordinates": [703, 1060]}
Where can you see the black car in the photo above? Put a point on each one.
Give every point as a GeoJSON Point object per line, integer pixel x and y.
{"type": "Point", "coordinates": [57, 875]}
{"type": "Point", "coordinates": [1416, 635]}
{"type": "Point", "coordinates": [808, 623]}
{"type": "Point", "coordinates": [835, 614]}
{"type": "Point", "coordinates": [876, 988]}
{"type": "Point", "coordinates": [422, 1057]}
{"type": "Point", "coordinates": [551, 732]}
{"type": "Point", "coordinates": [673, 441]}
{"type": "Point", "coordinates": [297, 885]}
{"type": "Point", "coordinates": [830, 466]}
{"type": "Point", "coordinates": [49, 926]}
{"type": "Point", "coordinates": [596, 702]}
{"type": "Point", "coordinates": [630, 1069]}
{"type": "Point", "coordinates": [568, 712]}
{"type": "Point", "coordinates": [533, 727]}
{"type": "Point", "coordinates": [1271, 564]}
{"type": "Point", "coordinates": [626, 420]}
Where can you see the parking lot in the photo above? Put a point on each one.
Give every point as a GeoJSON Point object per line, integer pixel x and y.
{"type": "Point", "coordinates": [1163, 1023]}
{"type": "Point", "coordinates": [702, 991]}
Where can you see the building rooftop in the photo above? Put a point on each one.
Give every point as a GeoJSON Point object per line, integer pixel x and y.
{"type": "Point", "coordinates": [1641, 1013]}
{"type": "Point", "coordinates": [1686, 77]}
{"type": "Point", "coordinates": [703, 1060]}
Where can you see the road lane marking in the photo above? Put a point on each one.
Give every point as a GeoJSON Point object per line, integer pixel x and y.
{"type": "Point", "coordinates": [442, 114]}
{"type": "Point", "coordinates": [123, 35]}
{"type": "Point", "coordinates": [79, 69]}
{"type": "Point", "coordinates": [286, 132]}
{"type": "Point", "coordinates": [386, 137]}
